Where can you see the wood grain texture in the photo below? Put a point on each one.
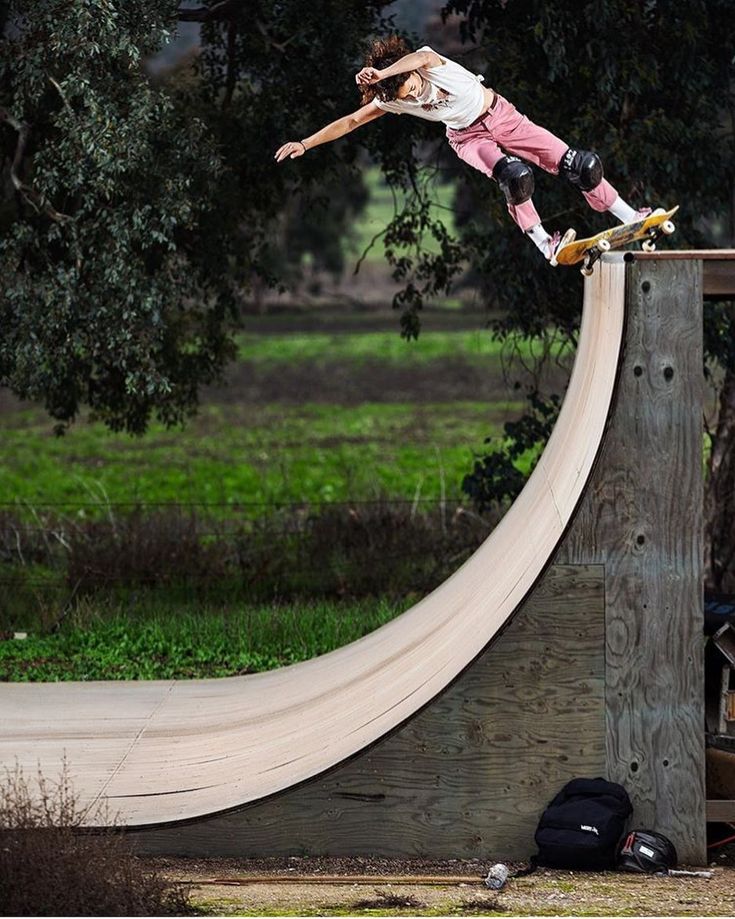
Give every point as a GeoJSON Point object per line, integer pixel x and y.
{"type": "Point", "coordinates": [469, 775]}
{"type": "Point", "coordinates": [686, 255]}
{"type": "Point", "coordinates": [718, 267]}
{"type": "Point", "coordinates": [642, 518]}
{"type": "Point", "coordinates": [179, 750]}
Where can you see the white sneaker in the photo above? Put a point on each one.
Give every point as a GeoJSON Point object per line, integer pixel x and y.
{"type": "Point", "coordinates": [644, 212]}
{"type": "Point", "coordinates": [557, 242]}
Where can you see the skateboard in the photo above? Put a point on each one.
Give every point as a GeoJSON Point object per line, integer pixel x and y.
{"type": "Point", "coordinates": [648, 229]}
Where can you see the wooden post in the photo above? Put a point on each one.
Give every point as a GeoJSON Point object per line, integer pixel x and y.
{"type": "Point", "coordinates": [641, 518]}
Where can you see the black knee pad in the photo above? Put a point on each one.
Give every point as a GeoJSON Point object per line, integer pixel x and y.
{"type": "Point", "coordinates": [582, 168]}
{"type": "Point", "coordinates": [515, 178]}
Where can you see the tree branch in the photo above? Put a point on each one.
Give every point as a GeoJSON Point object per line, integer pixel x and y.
{"type": "Point", "coordinates": [29, 194]}
{"type": "Point", "coordinates": [60, 91]}
{"type": "Point", "coordinates": [279, 46]}
{"type": "Point", "coordinates": [231, 64]}
{"type": "Point", "coordinates": [222, 10]}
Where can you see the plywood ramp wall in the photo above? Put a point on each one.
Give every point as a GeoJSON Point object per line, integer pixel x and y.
{"type": "Point", "coordinates": [470, 774]}
{"type": "Point", "coordinates": [170, 752]}
{"type": "Point", "coordinates": [447, 731]}
{"type": "Point", "coordinates": [599, 673]}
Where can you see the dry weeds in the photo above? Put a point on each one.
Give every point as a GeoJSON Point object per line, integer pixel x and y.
{"type": "Point", "coordinates": [49, 867]}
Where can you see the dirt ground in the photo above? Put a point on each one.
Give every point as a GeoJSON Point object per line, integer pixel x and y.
{"type": "Point", "coordinates": [330, 887]}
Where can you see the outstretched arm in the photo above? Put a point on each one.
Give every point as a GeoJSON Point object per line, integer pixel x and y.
{"type": "Point", "coordinates": [330, 132]}
{"type": "Point", "coordinates": [409, 62]}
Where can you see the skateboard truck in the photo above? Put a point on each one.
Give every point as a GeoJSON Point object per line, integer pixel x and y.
{"type": "Point", "coordinates": [649, 245]}
{"type": "Point", "coordinates": [655, 233]}
{"type": "Point", "coordinates": [595, 253]}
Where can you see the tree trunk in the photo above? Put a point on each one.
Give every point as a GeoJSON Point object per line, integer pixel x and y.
{"type": "Point", "coordinates": [719, 497]}
{"type": "Point", "coordinates": [719, 501]}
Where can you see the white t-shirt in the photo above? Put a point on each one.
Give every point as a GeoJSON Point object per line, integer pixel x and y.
{"type": "Point", "coordinates": [451, 94]}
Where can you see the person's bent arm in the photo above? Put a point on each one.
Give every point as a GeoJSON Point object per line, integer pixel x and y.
{"type": "Point", "coordinates": [408, 63]}
{"type": "Point", "coordinates": [330, 132]}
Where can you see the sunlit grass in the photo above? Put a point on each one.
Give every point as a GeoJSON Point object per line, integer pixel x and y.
{"type": "Point", "coordinates": [381, 209]}
{"type": "Point", "coordinates": [477, 347]}
{"type": "Point", "coordinates": [311, 452]}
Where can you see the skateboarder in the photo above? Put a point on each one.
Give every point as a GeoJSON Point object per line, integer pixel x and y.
{"type": "Point", "coordinates": [483, 129]}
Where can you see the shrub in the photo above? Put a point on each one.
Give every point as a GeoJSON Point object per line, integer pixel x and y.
{"type": "Point", "coordinates": [340, 551]}
{"type": "Point", "coordinates": [49, 866]}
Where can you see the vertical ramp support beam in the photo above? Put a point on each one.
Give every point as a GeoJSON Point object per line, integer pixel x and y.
{"type": "Point", "coordinates": [642, 519]}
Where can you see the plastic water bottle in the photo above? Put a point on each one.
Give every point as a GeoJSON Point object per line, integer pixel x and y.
{"type": "Point", "coordinates": [496, 877]}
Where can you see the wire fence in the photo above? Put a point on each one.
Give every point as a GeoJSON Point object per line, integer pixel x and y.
{"type": "Point", "coordinates": [319, 502]}
{"type": "Point", "coordinates": [322, 546]}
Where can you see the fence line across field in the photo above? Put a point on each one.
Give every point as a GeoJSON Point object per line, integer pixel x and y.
{"type": "Point", "coordinates": [231, 504]}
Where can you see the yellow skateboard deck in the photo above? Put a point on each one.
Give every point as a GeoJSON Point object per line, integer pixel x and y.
{"type": "Point", "coordinates": [648, 229]}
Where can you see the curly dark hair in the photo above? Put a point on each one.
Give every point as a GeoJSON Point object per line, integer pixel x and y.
{"type": "Point", "coordinates": [383, 53]}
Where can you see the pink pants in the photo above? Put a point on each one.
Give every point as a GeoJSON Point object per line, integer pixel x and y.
{"type": "Point", "coordinates": [480, 146]}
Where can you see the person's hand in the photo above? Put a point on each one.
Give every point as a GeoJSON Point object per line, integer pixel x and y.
{"type": "Point", "coordinates": [291, 150]}
{"type": "Point", "coordinates": [368, 75]}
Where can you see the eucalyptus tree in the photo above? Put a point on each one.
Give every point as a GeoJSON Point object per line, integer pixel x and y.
{"type": "Point", "coordinates": [133, 213]}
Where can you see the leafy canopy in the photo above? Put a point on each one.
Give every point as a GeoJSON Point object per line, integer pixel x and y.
{"type": "Point", "coordinates": [135, 215]}
{"type": "Point", "coordinates": [106, 299]}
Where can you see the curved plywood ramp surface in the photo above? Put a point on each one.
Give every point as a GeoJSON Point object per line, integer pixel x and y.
{"type": "Point", "coordinates": [165, 751]}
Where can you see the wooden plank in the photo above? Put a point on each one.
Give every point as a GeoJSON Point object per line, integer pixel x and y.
{"type": "Point", "coordinates": [720, 811]}
{"type": "Point", "coordinates": [470, 774]}
{"type": "Point", "coordinates": [720, 773]}
{"type": "Point", "coordinates": [719, 279]}
{"type": "Point", "coordinates": [724, 692]}
{"type": "Point", "coordinates": [718, 264]}
{"type": "Point", "coordinates": [687, 255]}
{"type": "Point", "coordinates": [642, 518]}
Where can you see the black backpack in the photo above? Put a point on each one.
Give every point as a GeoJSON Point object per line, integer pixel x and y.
{"type": "Point", "coordinates": [582, 827]}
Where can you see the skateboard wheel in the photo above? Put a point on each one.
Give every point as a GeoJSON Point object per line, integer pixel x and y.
{"type": "Point", "coordinates": [668, 227]}
{"type": "Point", "coordinates": [587, 272]}
{"type": "Point", "coordinates": [603, 245]}
{"type": "Point", "coordinates": [649, 246]}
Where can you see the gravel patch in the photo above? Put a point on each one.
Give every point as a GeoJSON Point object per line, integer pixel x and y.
{"type": "Point", "coordinates": [310, 886]}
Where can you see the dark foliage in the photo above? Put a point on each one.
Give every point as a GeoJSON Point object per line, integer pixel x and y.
{"type": "Point", "coordinates": [651, 87]}
{"type": "Point", "coordinates": [133, 216]}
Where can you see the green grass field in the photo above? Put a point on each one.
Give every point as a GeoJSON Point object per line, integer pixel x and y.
{"type": "Point", "coordinates": [233, 455]}
{"type": "Point", "coordinates": [253, 445]}
{"type": "Point", "coordinates": [164, 641]}
{"type": "Point", "coordinates": [477, 347]}
{"type": "Point", "coordinates": [318, 409]}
